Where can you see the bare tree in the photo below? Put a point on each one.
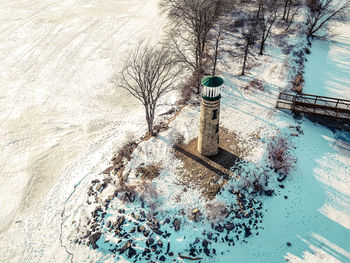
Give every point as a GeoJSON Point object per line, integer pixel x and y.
{"type": "Point", "coordinates": [266, 15]}
{"type": "Point", "coordinates": [214, 45]}
{"type": "Point", "coordinates": [321, 12]}
{"type": "Point", "coordinates": [294, 7]}
{"type": "Point", "coordinates": [285, 8]}
{"type": "Point", "coordinates": [219, 43]}
{"type": "Point", "coordinates": [249, 38]}
{"type": "Point", "coordinates": [191, 22]}
{"type": "Point", "coordinates": [290, 4]}
{"type": "Point", "coordinates": [246, 41]}
{"type": "Point", "coordinates": [149, 72]}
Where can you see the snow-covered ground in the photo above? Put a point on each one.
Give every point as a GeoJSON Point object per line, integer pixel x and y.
{"type": "Point", "coordinates": [61, 122]}
{"type": "Point", "coordinates": [59, 115]}
{"type": "Point", "coordinates": [308, 218]}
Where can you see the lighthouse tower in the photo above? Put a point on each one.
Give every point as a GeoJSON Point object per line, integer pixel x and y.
{"type": "Point", "coordinates": [208, 139]}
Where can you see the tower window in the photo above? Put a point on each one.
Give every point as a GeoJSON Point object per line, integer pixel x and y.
{"type": "Point", "coordinates": [217, 128]}
{"type": "Point", "coordinates": [215, 114]}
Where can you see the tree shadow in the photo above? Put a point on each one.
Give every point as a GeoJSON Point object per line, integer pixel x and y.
{"type": "Point", "coordinates": [329, 247]}
{"type": "Point", "coordinates": [329, 122]}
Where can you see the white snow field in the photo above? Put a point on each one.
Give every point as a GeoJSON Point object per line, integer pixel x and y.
{"type": "Point", "coordinates": [59, 115]}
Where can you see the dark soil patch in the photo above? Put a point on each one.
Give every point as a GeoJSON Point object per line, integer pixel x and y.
{"type": "Point", "coordinates": [149, 172]}
{"type": "Point", "coordinates": [210, 174]}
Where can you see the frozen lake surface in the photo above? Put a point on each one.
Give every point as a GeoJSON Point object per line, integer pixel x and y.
{"type": "Point", "coordinates": [57, 105]}
{"type": "Point", "coordinates": [324, 155]}
{"type": "Point", "coordinates": [328, 67]}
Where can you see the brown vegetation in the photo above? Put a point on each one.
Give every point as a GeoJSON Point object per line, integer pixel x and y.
{"type": "Point", "coordinates": [148, 193]}
{"type": "Point", "coordinates": [127, 193]}
{"type": "Point", "coordinates": [149, 172]}
{"type": "Point", "coordinates": [255, 84]}
{"type": "Point", "coordinates": [278, 156]}
{"type": "Point", "coordinates": [178, 138]}
{"type": "Point", "coordinates": [255, 182]}
{"type": "Point", "coordinates": [298, 83]}
{"type": "Point", "coordinates": [125, 152]}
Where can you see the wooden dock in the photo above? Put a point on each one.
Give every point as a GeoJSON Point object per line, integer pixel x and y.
{"type": "Point", "coordinates": [313, 104]}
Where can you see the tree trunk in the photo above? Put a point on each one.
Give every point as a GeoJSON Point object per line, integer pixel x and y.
{"type": "Point", "coordinates": [290, 22]}
{"type": "Point", "coordinates": [198, 59]}
{"type": "Point", "coordinates": [288, 25]}
{"type": "Point", "coordinates": [262, 44]}
{"type": "Point", "coordinates": [198, 85]}
{"type": "Point", "coordinates": [308, 36]}
{"type": "Point", "coordinates": [197, 80]}
{"type": "Point", "coordinates": [245, 58]}
{"type": "Point", "coordinates": [258, 13]}
{"type": "Point", "coordinates": [285, 10]}
{"type": "Point", "coordinates": [216, 53]}
{"type": "Point", "coordinates": [150, 128]}
{"type": "Point", "coordinates": [308, 40]}
{"type": "Point", "coordinates": [149, 119]}
{"type": "Point", "coordinates": [289, 7]}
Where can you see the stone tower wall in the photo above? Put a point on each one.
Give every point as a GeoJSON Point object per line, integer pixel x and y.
{"type": "Point", "coordinates": [208, 139]}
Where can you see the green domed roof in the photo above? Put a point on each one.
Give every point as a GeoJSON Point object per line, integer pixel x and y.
{"type": "Point", "coordinates": [212, 81]}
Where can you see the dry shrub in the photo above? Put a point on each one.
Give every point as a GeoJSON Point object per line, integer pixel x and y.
{"type": "Point", "coordinates": [127, 193]}
{"type": "Point", "coordinates": [258, 183]}
{"type": "Point", "coordinates": [254, 182]}
{"type": "Point", "coordinates": [238, 23]}
{"type": "Point", "coordinates": [125, 152]}
{"type": "Point", "coordinates": [299, 58]}
{"type": "Point", "coordinates": [149, 172]}
{"type": "Point", "coordinates": [298, 53]}
{"type": "Point", "coordinates": [246, 183]}
{"type": "Point", "coordinates": [160, 127]}
{"type": "Point", "coordinates": [298, 83]}
{"type": "Point", "coordinates": [255, 84]}
{"type": "Point", "coordinates": [298, 89]}
{"type": "Point", "coordinates": [216, 212]}
{"type": "Point", "coordinates": [278, 156]}
{"type": "Point", "coordinates": [288, 49]}
{"type": "Point", "coordinates": [177, 198]}
{"type": "Point", "coordinates": [178, 138]}
{"type": "Point", "coordinates": [187, 89]}
{"type": "Point", "coordinates": [145, 191]}
{"type": "Point", "coordinates": [300, 62]}
{"type": "Point", "coordinates": [148, 194]}
{"type": "Point", "coordinates": [186, 94]}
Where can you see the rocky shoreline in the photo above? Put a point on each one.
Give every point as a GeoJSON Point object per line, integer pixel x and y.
{"type": "Point", "coordinates": [141, 233]}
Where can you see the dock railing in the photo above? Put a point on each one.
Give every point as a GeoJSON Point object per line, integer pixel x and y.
{"type": "Point", "coordinates": [314, 104]}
